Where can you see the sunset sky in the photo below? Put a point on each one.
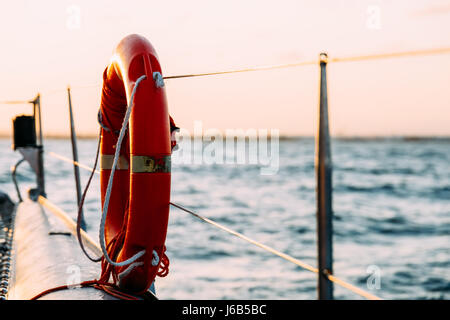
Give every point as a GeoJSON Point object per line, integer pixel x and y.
{"type": "Point", "coordinates": [48, 45]}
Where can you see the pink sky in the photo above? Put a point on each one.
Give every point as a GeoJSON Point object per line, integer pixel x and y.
{"type": "Point", "coordinates": [44, 50]}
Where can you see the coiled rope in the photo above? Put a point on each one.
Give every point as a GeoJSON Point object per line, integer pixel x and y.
{"type": "Point", "coordinates": [280, 254]}
{"type": "Point", "coordinates": [100, 284]}
{"type": "Point", "coordinates": [110, 183]}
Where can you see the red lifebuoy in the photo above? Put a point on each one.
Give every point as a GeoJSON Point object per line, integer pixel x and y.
{"type": "Point", "coordinates": [138, 211]}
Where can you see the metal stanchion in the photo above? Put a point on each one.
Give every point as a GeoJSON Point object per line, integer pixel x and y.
{"type": "Point", "coordinates": [73, 138]}
{"type": "Point", "coordinates": [324, 190]}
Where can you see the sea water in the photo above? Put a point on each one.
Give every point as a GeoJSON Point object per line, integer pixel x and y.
{"type": "Point", "coordinates": [391, 222]}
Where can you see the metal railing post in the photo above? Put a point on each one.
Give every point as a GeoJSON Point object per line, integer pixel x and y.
{"type": "Point", "coordinates": [323, 167]}
{"type": "Point", "coordinates": [73, 138]}
{"type": "Point", "coordinates": [40, 146]}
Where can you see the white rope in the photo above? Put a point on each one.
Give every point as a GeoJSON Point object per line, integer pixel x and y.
{"type": "Point", "coordinates": [110, 182]}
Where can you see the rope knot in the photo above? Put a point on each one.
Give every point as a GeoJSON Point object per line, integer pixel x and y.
{"type": "Point", "coordinates": [158, 78]}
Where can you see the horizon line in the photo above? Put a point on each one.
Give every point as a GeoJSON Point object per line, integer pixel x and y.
{"type": "Point", "coordinates": [408, 137]}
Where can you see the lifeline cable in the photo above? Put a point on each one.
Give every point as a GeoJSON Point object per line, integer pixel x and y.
{"type": "Point", "coordinates": [250, 69]}
{"type": "Point", "coordinates": [344, 59]}
{"type": "Point", "coordinates": [16, 102]}
{"type": "Point", "coordinates": [282, 255]}
{"type": "Point", "coordinates": [379, 56]}
{"type": "Point", "coordinates": [412, 53]}
{"type": "Point", "coordinates": [287, 257]}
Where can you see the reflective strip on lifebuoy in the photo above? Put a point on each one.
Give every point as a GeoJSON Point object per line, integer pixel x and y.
{"type": "Point", "coordinates": [150, 164]}
{"type": "Point", "coordinates": [107, 160]}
